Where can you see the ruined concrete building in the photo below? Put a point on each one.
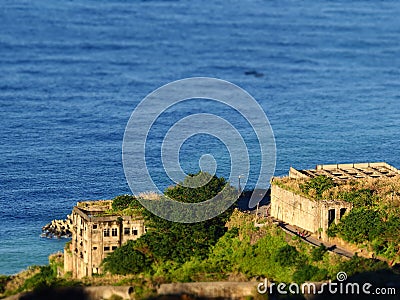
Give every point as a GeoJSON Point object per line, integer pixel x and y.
{"type": "Point", "coordinates": [316, 216]}
{"type": "Point", "coordinates": [95, 234]}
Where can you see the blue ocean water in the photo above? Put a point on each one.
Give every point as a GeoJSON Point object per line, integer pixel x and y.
{"type": "Point", "coordinates": [73, 71]}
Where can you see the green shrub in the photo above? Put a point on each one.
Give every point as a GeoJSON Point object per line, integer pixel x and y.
{"type": "Point", "coordinates": [361, 265]}
{"type": "Point", "coordinates": [367, 224]}
{"type": "Point", "coordinates": [44, 279]}
{"type": "Point", "coordinates": [333, 230]}
{"type": "Point", "coordinates": [320, 184]}
{"type": "Point", "coordinates": [3, 282]}
{"type": "Point", "coordinates": [233, 232]}
{"type": "Point", "coordinates": [360, 225]}
{"type": "Point", "coordinates": [126, 260]}
{"type": "Point", "coordinates": [180, 242]}
{"type": "Point", "coordinates": [125, 201]}
{"type": "Point", "coordinates": [318, 253]}
{"type": "Point", "coordinates": [287, 256]}
{"type": "Point", "coordinates": [359, 198]}
{"type": "Point", "coordinates": [309, 273]}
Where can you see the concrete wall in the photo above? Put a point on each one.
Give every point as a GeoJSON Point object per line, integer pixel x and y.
{"type": "Point", "coordinates": [305, 213]}
{"type": "Point", "coordinates": [293, 173]}
{"type": "Point", "coordinates": [68, 262]}
{"type": "Point", "coordinates": [294, 209]}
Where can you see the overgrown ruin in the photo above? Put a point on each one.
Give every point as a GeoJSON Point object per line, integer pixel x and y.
{"type": "Point", "coordinates": [316, 215]}
{"type": "Point", "coordinates": [96, 233]}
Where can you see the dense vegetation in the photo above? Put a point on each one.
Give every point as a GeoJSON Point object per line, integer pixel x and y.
{"type": "Point", "coordinates": [246, 252]}
{"type": "Point", "coordinates": [374, 221]}
{"type": "Point", "coordinates": [185, 252]}
{"type": "Point", "coordinates": [243, 252]}
{"type": "Point", "coordinates": [315, 187]}
{"type": "Point", "coordinates": [171, 241]}
{"type": "Point", "coordinates": [378, 229]}
{"type": "Point", "coordinates": [187, 201]}
{"type": "Point", "coordinates": [229, 247]}
{"type": "Point", "coordinates": [37, 278]}
{"type": "Point", "coordinates": [123, 202]}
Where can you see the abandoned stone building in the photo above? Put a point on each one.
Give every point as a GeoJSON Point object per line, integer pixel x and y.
{"type": "Point", "coordinates": [95, 234]}
{"type": "Point", "coordinates": [316, 216]}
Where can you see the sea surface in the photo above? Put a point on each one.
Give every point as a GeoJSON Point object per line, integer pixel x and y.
{"type": "Point", "coordinates": [327, 74]}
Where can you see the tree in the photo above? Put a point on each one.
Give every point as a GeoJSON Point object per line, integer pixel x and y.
{"type": "Point", "coordinates": [126, 260]}
{"type": "Point", "coordinates": [178, 242]}
{"type": "Point", "coordinates": [125, 201]}
{"type": "Point", "coordinates": [286, 256]}
{"type": "Point", "coordinates": [206, 187]}
{"type": "Point", "coordinates": [192, 239]}
{"type": "Point", "coordinates": [308, 272]}
{"type": "Point", "coordinates": [317, 253]}
{"type": "Point", "coordinates": [360, 225]}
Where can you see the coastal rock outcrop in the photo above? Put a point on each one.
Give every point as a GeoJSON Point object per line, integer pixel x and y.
{"type": "Point", "coordinates": [58, 228]}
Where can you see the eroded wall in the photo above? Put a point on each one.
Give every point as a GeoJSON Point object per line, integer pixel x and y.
{"type": "Point", "coordinates": [314, 216]}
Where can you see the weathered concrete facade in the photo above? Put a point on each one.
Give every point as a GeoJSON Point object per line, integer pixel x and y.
{"type": "Point", "coordinates": [314, 215]}
{"type": "Point", "coordinates": [311, 215]}
{"type": "Point", "coordinates": [95, 236]}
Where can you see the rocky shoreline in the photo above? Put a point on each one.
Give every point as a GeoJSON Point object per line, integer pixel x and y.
{"type": "Point", "coordinates": [58, 229]}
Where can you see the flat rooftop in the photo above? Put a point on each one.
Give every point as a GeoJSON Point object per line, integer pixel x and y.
{"type": "Point", "coordinates": [348, 171]}
{"type": "Point", "coordinates": [94, 205]}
